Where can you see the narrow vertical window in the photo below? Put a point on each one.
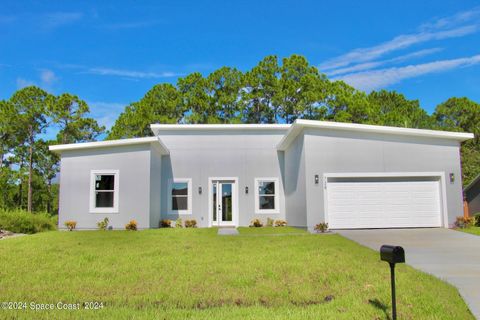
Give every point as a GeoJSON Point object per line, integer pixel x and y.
{"type": "Point", "coordinates": [180, 196]}
{"type": "Point", "coordinates": [104, 191]}
{"type": "Point", "coordinates": [266, 195]}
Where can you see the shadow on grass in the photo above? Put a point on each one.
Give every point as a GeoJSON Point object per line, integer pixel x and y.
{"type": "Point", "coordinates": [380, 305]}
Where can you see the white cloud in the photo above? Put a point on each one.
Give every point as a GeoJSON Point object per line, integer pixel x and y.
{"type": "Point", "coordinates": [47, 77]}
{"type": "Point", "coordinates": [375, 64]}
{"type": "Point", "coordinates": [130, 73]}
{"type": "Point", "coordinates": [458, 25]}
{"type": "Point", "coordinates": [106, 112]}
{"type": "Point", "coordinates": [375, 79]}
{"type": "Point", "coordinates": [57, 19]}
{"type": "Point", "coordinates": [22, 83]}
{"type": "Point", "coordinates": [131, 25]}
{"type": "Point", "coordinates": [400, 42]}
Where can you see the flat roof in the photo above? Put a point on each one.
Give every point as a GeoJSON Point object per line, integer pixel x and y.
{"type": "Point", "coordinates": [301, 124]}
{"type": "Point", "coordinates": [110, 143]}
{"type": "Point", "coordinates": [291, 132]}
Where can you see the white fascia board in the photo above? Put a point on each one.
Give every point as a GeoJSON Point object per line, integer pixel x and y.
{"type": "Point", "coordinates": [299, 125]}
{"type": "Point", "coordinates": [157, 128]}
{"type": "Point", "coordinates": [109, 143]}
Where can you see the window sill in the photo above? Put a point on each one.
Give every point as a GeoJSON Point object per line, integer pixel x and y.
{"type": "Point", "coordinates": [104, 210]}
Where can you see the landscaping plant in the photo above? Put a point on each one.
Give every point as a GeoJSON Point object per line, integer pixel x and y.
{"type": "Point", "coordinates": [71, 225]}
{"type": "Point", "coordinates": [132, 225]}
{"type": "Point", "coordinates": [103, 225]}
{"type": "Point", "coordinates": [256, 223]}
{"type": "Point", "coordinates": [321, 227]}
{"type": "Point", "coordinates": [192, 223]}
{"type": "Point", "coordinates": [280, 223]}
{"type": "Point", "coordinates": [179, 223]}
{"type": "Point", "coordinates": [165, 223]}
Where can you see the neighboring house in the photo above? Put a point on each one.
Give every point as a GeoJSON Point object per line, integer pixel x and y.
{"type": "Point", "coordinates": [472, 195]}
{"type": "Point", "coordinates": [349, 175]}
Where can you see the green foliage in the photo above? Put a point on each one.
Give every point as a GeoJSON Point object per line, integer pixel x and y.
{"type": "Point", "coordinates": [20, 221]}
{"type": "Point", "coordinates": [161, 104]}
{"type": "Point", "coordinates": [103, 225]}
{"type": "Point", "coordinates": [192, 223]}
{"type": "Point", "coordinates": [131, 226]}
{"type": "Point", "coordinates": [256, 223]}
{"type": "Point", "coordinates": [476, 219]}
{"type": "Point", "coordinates": [179, 223]}
{"type": "Point", "coordinates": [166, 223]}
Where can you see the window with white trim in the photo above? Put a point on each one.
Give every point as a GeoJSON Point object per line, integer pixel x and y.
{"type": "Point", "coordinates": [267, 195]}
{"type": "Point", "coordinates": [104, 191]}
{"type": "Point", "coordinates": [180, 196]}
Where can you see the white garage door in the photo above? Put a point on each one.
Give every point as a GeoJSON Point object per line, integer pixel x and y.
{"type": "Point", "coordinates": [383, 204]}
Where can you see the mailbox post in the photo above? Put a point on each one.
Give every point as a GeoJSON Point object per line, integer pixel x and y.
{"type": "Point", "coordinates": [392, 255]}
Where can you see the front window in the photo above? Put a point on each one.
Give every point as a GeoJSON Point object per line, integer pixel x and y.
{"type": "Point", "coordinates": [266, 195]}
{"type": "Point", "coordinates": [104, 191]}
{"type": "Point", "coordinates": [180, 196]}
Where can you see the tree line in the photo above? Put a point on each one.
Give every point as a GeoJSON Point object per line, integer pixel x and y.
{"type": "Point", "coordinates": [270, 92]}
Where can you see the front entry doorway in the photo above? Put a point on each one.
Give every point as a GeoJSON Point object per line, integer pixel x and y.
{"type": "Point", "coordinates": [223, 202]}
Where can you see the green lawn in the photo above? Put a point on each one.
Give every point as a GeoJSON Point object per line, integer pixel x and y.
{"type": "Point", "coordinates": [196, 274]}
{"type": "Point", "coordinates": [472, 230]}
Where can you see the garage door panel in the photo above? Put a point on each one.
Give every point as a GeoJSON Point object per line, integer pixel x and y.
{"type": "Point", "coordinates": [383, 204]}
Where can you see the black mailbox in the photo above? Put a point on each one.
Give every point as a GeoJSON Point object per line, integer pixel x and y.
{"type": "Point", "coordinates": [392, 254]}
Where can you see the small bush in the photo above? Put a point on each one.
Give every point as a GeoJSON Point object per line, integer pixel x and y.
{"type": "Point", "coordinates": [280, 223]}
{"type": "Point", "coordinates": [19, 221]}
{"type": "Point", "coordinates": [269, 222]}
{"type": "Point", "coordinates": [179, 223]}
{"type": "Point", "coordinates": [103, 225]}
{"type": "Point", "coordinates": [71, 225]}
{"type": "Point", "coordinates": [464, 222]}
{"type": "Point", "coordinates": [476, 218]}
{"type": "Point", "coordinates": [256, 223]}
{"type": "Point", "coordinates": [165, 223]}
{"type": "Point", "coordinates": [132, 225]}
{"type": "Point", "coordinates": [191, 223]}
{"type": "Point", "coordinates": [321, 227]}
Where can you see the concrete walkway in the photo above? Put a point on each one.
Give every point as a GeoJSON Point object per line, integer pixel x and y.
{"type": "Point", "coordinates": [450, 255]}
{"type": "Point", "coordinates": [227, 232]}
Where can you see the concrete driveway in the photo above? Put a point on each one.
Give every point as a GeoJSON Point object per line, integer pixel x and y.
{"type": "Point", "coordinates": [450, 255]}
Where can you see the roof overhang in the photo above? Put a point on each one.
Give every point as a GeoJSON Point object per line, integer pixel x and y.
{"type": "Point", "coordinates": [155, 141]}
{"type": "Point", "coordinates": [299, 125]}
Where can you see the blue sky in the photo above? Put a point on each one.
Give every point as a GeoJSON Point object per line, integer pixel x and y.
{"type": "Point", "coordinates": [110, 54]}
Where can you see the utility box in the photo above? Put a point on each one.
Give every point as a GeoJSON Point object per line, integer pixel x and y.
{"type": "Point", "coordinates": [392, 254]}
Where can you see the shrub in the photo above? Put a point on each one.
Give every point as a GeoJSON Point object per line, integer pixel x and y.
{"type": "Point", "coordinates": [256, 223]}
{"type": "Point", "coordinates": [71, 225]}
{"type": "Point", "coordinates": [165, 223]}
{"type": "Point", "coordinates": [269, 222]}
{"type": "Point", "coordinates": [19, 221]}
{"type": "Point", "coordinates": [280, 223]}
{"type": "Point", "coordinates": [476, 218]}
{"type": "Point", "coordinates": [179, 223]}
{"type": "Point", "coordinates": [464, 222]}
{"type": "Point", "coordinates": [321, 227]}
{"type": "Point", "coordinates": [103, 225]}
{"type": "Point", "coordinates": [191, 223]}
{"type": "Point", "coordinates": [132, 225]}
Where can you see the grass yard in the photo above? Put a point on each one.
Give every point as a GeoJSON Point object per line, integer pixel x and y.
{"type": "Point", "coordinates": [472, 230]}
{"type": "Point", "coordinates": [196, 274]}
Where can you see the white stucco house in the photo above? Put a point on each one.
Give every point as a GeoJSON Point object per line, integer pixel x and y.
{"type": "Point", "coordinates": [349, 175]}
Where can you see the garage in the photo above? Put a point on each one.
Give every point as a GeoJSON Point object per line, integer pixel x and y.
{"type": "Point", "coordinates": [383, 202]}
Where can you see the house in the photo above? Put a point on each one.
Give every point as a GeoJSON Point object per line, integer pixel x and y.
{"type": "Point", "coordinates": [348, 175]}
{"type": "Point", "coordinates": [472, 195]}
